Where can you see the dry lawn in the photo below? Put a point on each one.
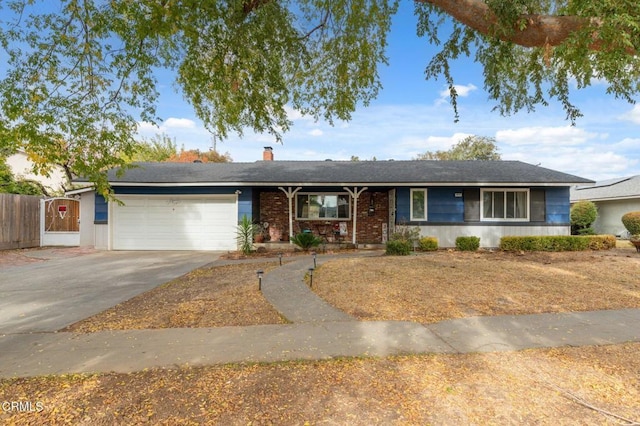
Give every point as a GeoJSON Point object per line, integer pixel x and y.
{"type": "Point", "coordinates": [206, 297]}
{"type": "Point", "coordinates": [593, 385]}
{"type": "Point", "coordinates": [441, 285]}
{"type": "Point", "coordinates": [542, 387]}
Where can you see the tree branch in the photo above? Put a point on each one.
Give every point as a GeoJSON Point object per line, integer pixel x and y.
{"type": "Point", "coordinates": [540, 30]}
{"type": "Point", "coordinates": [251, 5]}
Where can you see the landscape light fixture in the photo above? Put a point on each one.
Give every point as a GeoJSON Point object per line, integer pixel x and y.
{"type": "Point", "coordinates": [310, 277]}
{"type": "Point", "coordinates": [314, 254]}
{"type": "Point", "coordinates": [280, 257]}
{"type": "Point", "coordinates": [259, 273]}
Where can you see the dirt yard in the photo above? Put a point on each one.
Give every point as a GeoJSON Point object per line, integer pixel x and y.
{"type": "Point", "coordinates": [565, 386]}
{"type": "Point", "coordinates": [207, 297]}
{"type": "Point", "coordinates": [442, 285]}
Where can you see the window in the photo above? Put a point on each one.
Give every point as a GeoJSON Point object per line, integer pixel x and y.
{"type": "Point", "coordinates": [505, 204]}
{"type": "Point", "coordinates": [418, 204]}
{"type": "Point", "coordinates": [323, 206]}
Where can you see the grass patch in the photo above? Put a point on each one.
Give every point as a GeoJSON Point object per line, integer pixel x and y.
{"type": "Point", "coordinates": [528, 387]}
{"type": "Point", "coordinates": [206, 297]}
{"type": "Point", "coordinates": [443, 285]}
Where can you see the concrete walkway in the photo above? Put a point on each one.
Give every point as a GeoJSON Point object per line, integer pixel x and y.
{"type": "Point", "coordinates": [318, 331]}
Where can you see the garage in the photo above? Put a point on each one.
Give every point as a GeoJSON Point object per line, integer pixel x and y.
{"type": "Point", "coordinates": [174, 222]}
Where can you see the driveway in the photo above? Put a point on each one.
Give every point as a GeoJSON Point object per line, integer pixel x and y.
{"type": "Point", "coordinates": [48, 295]}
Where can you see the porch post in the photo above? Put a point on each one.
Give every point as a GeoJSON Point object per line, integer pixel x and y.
{"type": "Point", "coordinates": [290, 194]}
{"type": "Point", "coordinates": [355, 194]}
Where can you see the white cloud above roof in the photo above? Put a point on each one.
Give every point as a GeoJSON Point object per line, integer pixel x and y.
{"type": "Point", "coordinates": [566, 135]}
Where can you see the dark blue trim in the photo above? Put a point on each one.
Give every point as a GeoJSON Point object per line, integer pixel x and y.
{"type": "Point", "coordinates": [177, 190]}
{"type": "Point", "coordinates": [101, 210]}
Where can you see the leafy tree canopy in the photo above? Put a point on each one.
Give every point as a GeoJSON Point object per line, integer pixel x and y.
{"type": "Point", "coordinates": [469, 148]}
{"type": "Point", "coordinates": [162, 148]}
{"type": "Point", "coordinates": [10, 185]}
{"type": "Point", "coordinates": [80, 74]}
{"type": "Point", "coordinates": [195, 155]}
{"type": "Point", "coordinates": [158, 148]}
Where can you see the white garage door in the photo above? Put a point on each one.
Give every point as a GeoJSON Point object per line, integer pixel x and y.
{"type": "Point", "coordinates": [174, 223]}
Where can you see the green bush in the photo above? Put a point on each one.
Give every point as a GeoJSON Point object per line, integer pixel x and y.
{"type": "Point", "coordinates": [586, 231]}
{"type": "Point", "coordinates": [631, 221]}
{"type": "Point", "coordinates": [306, 240]}
{"type": "Point", "coordinates": [406, 233]}
{"type": "Point", "coordinates": [428, 244]}
{"type": "Point", "coordinates": [398, 247]}
{"type": "Point", "coordinates": [245, 231]}
{"type": "Point", "coordinates": [558, 243]}
{"type": "Point", "coordinates": [583, 214]}
{"type": "Point", "coordinates": [468, 243]}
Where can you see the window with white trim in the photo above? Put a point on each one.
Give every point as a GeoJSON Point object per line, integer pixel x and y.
{"type": "Point", "coordinates": [505, 204]}
{"type": "Point", "coordinates": [323, 206]}
{"type": "Point", "coordinates": [418, 204]}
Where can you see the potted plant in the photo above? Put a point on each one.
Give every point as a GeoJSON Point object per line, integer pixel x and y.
{"type": "Point", "coordinates": [258, 233]}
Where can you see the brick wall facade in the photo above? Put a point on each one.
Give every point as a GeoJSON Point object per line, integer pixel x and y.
{"type": "Point", "coordinates": [274, 209]}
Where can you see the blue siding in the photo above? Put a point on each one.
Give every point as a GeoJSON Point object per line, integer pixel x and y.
{"type": "Point", "coordinates": [101, 210]}
{"type": "Point", "coordinates": [443, 206]}
{"type": "Point", "coordinates": [403, 206]}
{"type": "Point", "coordinates": [557, 200]}
{"type": "Point", "coordinates": [245, 204]}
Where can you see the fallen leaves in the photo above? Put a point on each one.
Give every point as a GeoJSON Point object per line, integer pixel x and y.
{"type": "Point", "coordinates": [527, 387]}
{"type": "Point", "coordinates": [443, 285]}
{"type": "Point", "coordinates": [206, 297]}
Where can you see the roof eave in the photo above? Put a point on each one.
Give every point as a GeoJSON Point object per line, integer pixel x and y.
{"type": "Point", "coordinates": [312, 184]}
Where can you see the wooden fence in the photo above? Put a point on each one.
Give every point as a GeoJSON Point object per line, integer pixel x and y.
{"type": "Point", "coordinates": [19, 221]}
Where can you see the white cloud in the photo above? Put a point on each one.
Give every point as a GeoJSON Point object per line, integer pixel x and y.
{"type": "Point", "coordinates": [633, 115]}
{"type": "Point", "coordinates": [461, 90]}
{"type": "Point", "coordinates": [316, 132]}
{"type": "Point", "coordinates": [145, 127]}
{"type": "Point", "coordinates": [178, 123]}
{"type": "Point", "coordinates": [556, 136]}
{"type": "Point", "coordinates": [295, 115]}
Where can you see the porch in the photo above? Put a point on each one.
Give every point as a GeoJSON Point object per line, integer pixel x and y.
{"type": "Point", "coordinates": [330, 213]}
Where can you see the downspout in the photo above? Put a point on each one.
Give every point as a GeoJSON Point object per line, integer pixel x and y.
{"type": "Point", "coordinates": [290, 194]}
{"type": "Point", "coordinates": [355, 194]}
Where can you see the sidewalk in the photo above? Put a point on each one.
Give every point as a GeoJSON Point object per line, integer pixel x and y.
{"type": "Point", "coordinates": [318, 331]}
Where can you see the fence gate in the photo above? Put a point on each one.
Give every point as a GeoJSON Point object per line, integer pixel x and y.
{"type": "Point", "coordinates": [60, 222]}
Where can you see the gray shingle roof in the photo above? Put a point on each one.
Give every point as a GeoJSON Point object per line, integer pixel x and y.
{"type": "Point", "coordinates": [611, 189]}
{"type": "Point", "coordinates": [269, 173]}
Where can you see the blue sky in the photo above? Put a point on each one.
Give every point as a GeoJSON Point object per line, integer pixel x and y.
{"type": "Point", "coordinates": [412, 116]}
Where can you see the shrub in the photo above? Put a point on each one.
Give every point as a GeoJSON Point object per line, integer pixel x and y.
{"type": "Point", "coordinates": [245, 231]}
{"type": "Point", "coordinates": [306, 240]}
{"type": "Point", "coordinates": [398, 248]}
{"type": "Point", "coordinates": [428, 244]}
{"type": "Point", "coordinates": [585, 231]}
{"type": "Point", "coordinates": [406, 233]}
{"type": "Point", "coordinates": [558, 243]}
{"type": "Point", "coordinates": [583, 214]}
{"type": "Point", "coordinates": [602, 242]}
{"type": "Point", "coordinates": [631, 222]}
{"type": "Point", "coordinates": [468, 243]}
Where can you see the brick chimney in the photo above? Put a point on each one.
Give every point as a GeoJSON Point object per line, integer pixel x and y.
{"type": "Point", "coordinates": [267, 155]}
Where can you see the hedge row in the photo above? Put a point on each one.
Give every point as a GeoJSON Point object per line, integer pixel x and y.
{"type": "Point", "coordinates": [558, 243]}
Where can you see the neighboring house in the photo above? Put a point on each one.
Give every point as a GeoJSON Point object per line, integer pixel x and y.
{"type": "Point", "coordinates": [22, 167]}
{"type": "Point", "coordinates": [196, 206]}
{"type": "Point", "coordinates": [614, 198]}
